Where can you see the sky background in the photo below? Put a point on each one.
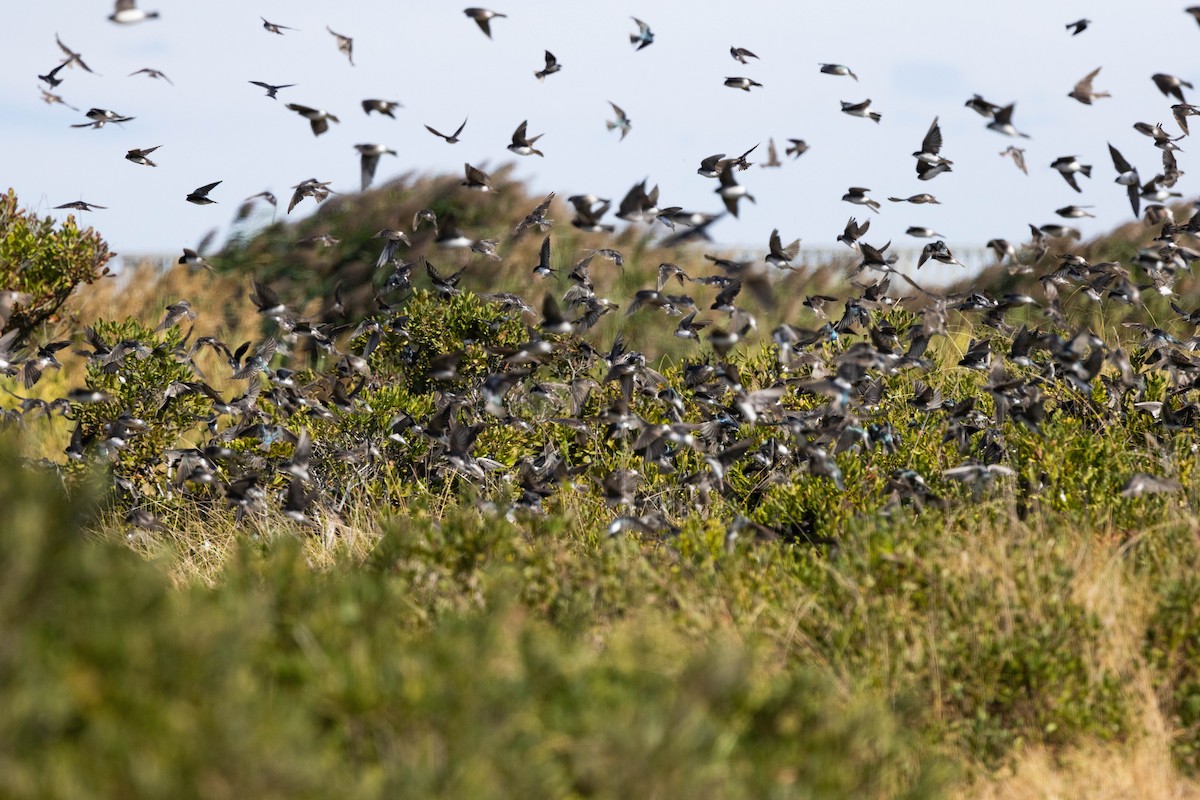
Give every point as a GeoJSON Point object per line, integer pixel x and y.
{"type": "Point", "coordinates": [915, 60]}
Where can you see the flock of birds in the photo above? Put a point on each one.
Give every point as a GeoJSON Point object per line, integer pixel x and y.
{"type": "Point", "coordinates": [557, 377]}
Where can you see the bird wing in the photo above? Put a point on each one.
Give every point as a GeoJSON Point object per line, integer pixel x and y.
{"type": "Point", "coordinates": [932, 143]}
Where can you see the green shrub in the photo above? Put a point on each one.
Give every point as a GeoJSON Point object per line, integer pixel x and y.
{"type": "Point", "coordinates": [43, 263]}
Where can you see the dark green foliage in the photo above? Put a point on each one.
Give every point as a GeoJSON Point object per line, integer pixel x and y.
{"type": "Point", "coordinates": [1173, 647]}
{"type": "Point", "coordinates": [43, 263]}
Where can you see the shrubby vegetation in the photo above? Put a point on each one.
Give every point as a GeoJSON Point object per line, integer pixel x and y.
{"type": "Point", "coordinates": [434, 599]}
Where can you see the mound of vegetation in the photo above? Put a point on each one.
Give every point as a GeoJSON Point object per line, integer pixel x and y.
{"type": "Point", "coordinates": [819, 547]}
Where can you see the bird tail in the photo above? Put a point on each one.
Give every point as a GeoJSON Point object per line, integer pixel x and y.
{"type": "Point", "coordinates": [873, 204]}
{"type": "Point", "coordinates": [1086, 169]}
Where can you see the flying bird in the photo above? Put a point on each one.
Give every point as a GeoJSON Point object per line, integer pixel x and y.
{"type": "Point", "coordinates": [740, 54]}
{"type": "Point", "coordinates": [151, 73]}
{"type": "Point", "coordinates": [1127, 176]}
{"type": "Point", "coordinates": [1079, 25]}
{"type": "Point", "coordinates": [837, 69]}
{"type": "Point", "coordinates": [140, 156]}
{"type": "Point", "coordinates": [452, 138]}
{"type": "Point", "coordinates": [319, 120]}
{"type": "Point", "coordinates": [1018, 157]}
{"type": "Point", "coordinates": [80, 205]}
{"type": "Point", "coordinates": [272, 89]}
{"type": "Point", "coordinates": [477, 179]}
{"type": "Point", "coordinates": [741, 83]}
{"type": "Point", "coordinates": [272, 27]}
{"type": "Point", "coordinates": [200, 196]}
{"type": "Point", "coordinates": [51, 77]}
{"type": "Point", "coordinates": [1171, 86]}
{"type": "Point", "coordinates": [862, 109]}
{"type": "Point", "coordinates": [1002, 122]}
{"type": "Point", "coordinates": [126, 12]}
{"type": "Point", "coordinates": [483, 18]}
{"type": "Point", "coordinates": [552, 66]}
{"type": "Point", "coordinates": [858, 196]}
{"type": "Point", "coordinates": [73, 57]}
{"type": "Point", "coordinates": [100, 117]}
{"type": "Point", "coordinates": [731, 191]}
{"type": "Point", "coordinates": [1068, 167]}
{"type": "Point", "coordinates": [522, 144]}
{"type": "Point", "coordinates": [797, 148]}
{"type": "Point", "coordinates": [929, 163]}
{"type": "Point", "coordinates": [622, 121]}
{"type": "Point", "coordinates": [345, 44]}
{"type": "Point", "coordinates": [384, 107]}
{"type": "Point", "coordinates": [1083, 91]}
{"type": "Point", "coordinates": [370, 160]}
{"type": "Point", "coordinates": [644, 37]}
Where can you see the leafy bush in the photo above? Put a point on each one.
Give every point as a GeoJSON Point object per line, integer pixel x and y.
{"type": "Point", "coordinates": [43, 264]}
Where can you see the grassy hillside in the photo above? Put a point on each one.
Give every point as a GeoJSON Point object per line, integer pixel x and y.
{"type": "Point", "coordinates": [832, 565]}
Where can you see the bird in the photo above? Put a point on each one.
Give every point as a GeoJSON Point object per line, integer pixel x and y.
{"type": "Point", "coordinates": [918, 232]}
{"type": "Point", "coordinates": [1018, 157]}
{"type": "Point", "coordinates": [837, 69]}
{"type": "Point", "coordinates": [151, 73]}
{"type": "Point", "coordinates": [1068, 166]}
{"type": "Point", "coordinates": [140, 156]}
{"type": "Point", "coordinates": [797, 148]}
{"type": "Point", "coordinates": [1083, 91]}
{"type": "Point", "coordinates": [643, 38]}
{"type": "Point", "coordinates": [552, 66]}
{"type": "Point", "coordinates": [452, 138]}
{"type": "Point", "coordinates": [200, 196]}
{"type": "Point", "coordinates": [929, 163]}
{"type": "Point", "coordinates": [51, 77]}
{"type": "Point", "coordinates": [54, 98]}
{"type": "Point", "coordinates": [80, 205]}
{"type": "Point", "coordinates": [1002, 122]}
{"type": "Point", "coordinates": [370, 154]}
{"type": "Point", "coordinates": [100, 117]}
{"type": "Point", "coordinates": [271, 89]}
{"type": "Point", "coordinates": [740, 54]}
{"type": "Point", "coordinates": [317, 119]}
{"type": "Point", "coordinates": [1141, 483]}
{"type": "Point", "coordinates": [317, 190]}
{"type": "Point", "coordinates": [126, 12]}
{"type": "Point", "coordinates": [477, 179]}
{"type": "Point", "coordinates": [384, 107]}
{"type": "Point", "coordinates": [1170, 85]}
{"type": "Point", "coordinates": [917, 199]}
{"type": "Point", "coordinates": [543, 268]}
{"type": "Point", "coordinates": [193, 259]}
{"type": "Point", "coordinates": [1074, 212]}
{"type": "Point", "coordinates": [272, 27]}
{"type": "Point", "coordinates": [345, 44]}
{"type": "Point", "coordinates": [982, 107]}
{"type": "Point", "coordinates": [731, 191]}
{"type": "Point", "coordinates": [1079, 25]}
{"type": "Point", "coordinates": [1127, 176]}
{"type": "Point", "coordinates": [483, 18]}
{"type": "Point", "coordinates": [862, 109]}
{"type": "Point", "coordinates": [772, 155]}
{"type": "Point", "coordinates": [858, 196]}
{"type": "Point", "coordinates": [522, 145]}
{"type": "Point", "coordinates": [741, 83]}
{"type": "Point", "coordinates": [73, 57]}
{"type": "Point", "coordinates": [1195, 12]}
{"type": "Point", "coordinates": [779, 255]}
{"type": "Point", "coordinates": [622, 121]}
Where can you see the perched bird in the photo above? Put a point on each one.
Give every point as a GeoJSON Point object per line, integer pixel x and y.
{"type": "Point", "coordinates": [271, 89]}
{"type": "Point", "coordinates": [837, 69]}
{"type": "Point", "coordinates": [522, 144]}
{"type": "Point", "coordinates": [384, 107]}
{"type": "Point", "coordinates": [740, 54]}
{"type": "Point", "coordinates": [1083, 91]}
{"type": "Point", "coordinates": [1018, 157]}
{"type": "Point", "coordinates": [272, 27]}
{"type": "Point", "coordinates": [1002, 122]}
{"type": "Point", "coordinates": [552, 66]}
{"type": "Point", "coordinates": [477, 179]}
{"type": "Point", "coordinates": [140, 156]}
{"type": "Point", "coordinates": [862, 109]}
{"type": "Point", "coordinates": [345, 44]}
{"type": "Point", "coordinates": [929, 163]}
{"type": "Point", "coordinates": [858, 196]}
{"type": "Point", "coordinates": [622, 121]}
{"type": "Point", "coordinates": [200, 196]}
{"type": "Point", "coordinates": [80, 205]}
{"type": "Point", "coordinates": [1068, 166]}
{"type": "Point", "coordinates": [370, 154]}
{"type": "Point", "coordinates": [643, 38]}
{"type": "Point", "coordinates": [151, 73]}
{"type": "Point", "coordinates": [317, 119]}
{"type": "Point", "coordinates": [1171, 86]}
{"type": "Point", "coordinates": [483, 18]}
{"type": "Point", "coordinates": [1079, 26]}
{"type": "Point", "coordinates": [741, 83]}
{"type": "Point", "coordinates": [126, 12]}
{"type": "Point", "coordinates": [452, 138]}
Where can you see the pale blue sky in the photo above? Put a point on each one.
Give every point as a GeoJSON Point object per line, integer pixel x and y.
{"type": "Point", "coordinates": [915, 60]}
